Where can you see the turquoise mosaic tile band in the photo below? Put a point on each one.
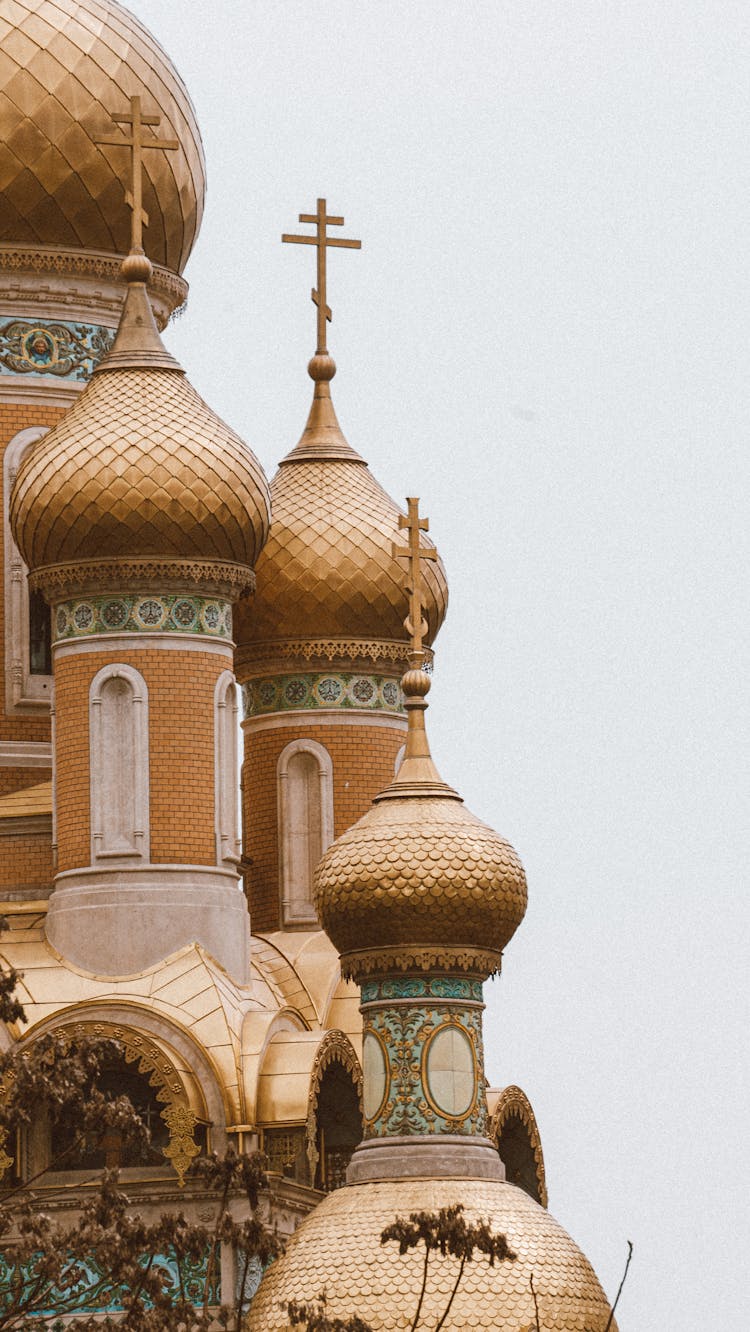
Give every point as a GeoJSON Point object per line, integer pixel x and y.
{"type": "Point", "coordinates": [332, 689]}
{"type": "Point", "coordinates": [62, 349]}
{"type": "Point", "coordinates": [423, 1071]}
{"type": "Point", "coordinates": [421, 987]}
{"type": "Point", "coordinates": [147, 614]}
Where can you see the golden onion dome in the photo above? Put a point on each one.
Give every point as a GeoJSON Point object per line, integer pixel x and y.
{"type": "Point", "coordinates": [66, 69]}
{"type": "Point", "coordinates": [337, 1250]}
{"type": "Point", "coordinates": [139, 466]}
{"type": "Point", "coordinates": [418, 868]}
{"type": "Point", "coordinates": [328, 568]}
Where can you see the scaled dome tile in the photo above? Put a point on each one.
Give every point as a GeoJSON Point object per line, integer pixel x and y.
{"type": "Point", "coordinates": [62, 78]}
{"type": "Point", "coordinates": [338, 1248]}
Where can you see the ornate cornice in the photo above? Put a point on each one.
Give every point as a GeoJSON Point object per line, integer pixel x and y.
{"type": "Point", "coordinates": [514, 1103]}
{"type": "Point", "coordinates": [60, 582]}
{"type": "Point", "coordinates": [91, 268]}
{"type": "Point", "coordinates": [420, 957]}
{"type": "Point", "coordinates": [254, 660]}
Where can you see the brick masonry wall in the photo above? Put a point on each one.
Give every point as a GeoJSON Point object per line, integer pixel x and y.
{"type": "Point", "coordinates": [363, 759]}
{"type": "Point", "coordinates": [15, 417]}
{"type": "Point", "coordinates": [26, 861]}
{"type": "Point", "coordinates": [181, 751]}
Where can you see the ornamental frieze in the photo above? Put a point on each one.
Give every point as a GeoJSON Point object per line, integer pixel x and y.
{"type": "Point", "coordinates": [329, 689]}
{"type": "Point", "coordinates": [422, 1070]}
{"type": "Point", "coordinates": [140, 615]}
{"type": "Point", "coordinates": [65, 350]}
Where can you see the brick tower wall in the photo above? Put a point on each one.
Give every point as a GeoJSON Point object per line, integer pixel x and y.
{"type": "Point", "coordinates": [181, 687]}
{"type": "Point", "coordinates": [363, 757]}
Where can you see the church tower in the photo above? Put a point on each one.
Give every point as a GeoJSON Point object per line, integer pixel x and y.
{"type": "Point", "coordinates": [63, 232]}
{"type": "Point", "coordinates": [421, 898]}
{"type": "Point", "coordinates": [321, 648]}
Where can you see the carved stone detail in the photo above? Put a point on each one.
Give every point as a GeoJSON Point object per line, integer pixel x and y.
{"type": "Point", "coordinates": [416, 957]}
{"type": "Point", "coordinates": [62, 581]}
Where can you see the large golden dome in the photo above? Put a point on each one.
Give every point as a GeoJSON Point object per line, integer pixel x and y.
{"type": "Point", "coordinates": [328, 568]}
{"type": "Point", "coordinates": [338, 1249]}
{"type": "Point", "coordinates": [139, 467]}
{"type": "Point", "coordinates": [67, 66]}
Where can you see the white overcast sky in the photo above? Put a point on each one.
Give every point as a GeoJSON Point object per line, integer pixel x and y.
{"type": "Point", "coordinates": [546, 338]}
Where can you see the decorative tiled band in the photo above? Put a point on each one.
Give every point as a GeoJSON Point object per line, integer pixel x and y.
{"type": "Point", "coordinates": [423, 1071]}
{"type": "Point", "coordinates": [421, 987]}
{"type": "Point", "coordinates": [63, 349]}
{"type": "Point", "coordinates": [147, 614]}
{"type": "Point", "coordinates": [331, 689]}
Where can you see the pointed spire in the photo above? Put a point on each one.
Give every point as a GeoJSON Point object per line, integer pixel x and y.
{"type": "Point", "coordinates": [417, 774]}
{"type": "Point", "coordinates": [138, 345]}
{"type": "Point", "coordinates": [322, 437]}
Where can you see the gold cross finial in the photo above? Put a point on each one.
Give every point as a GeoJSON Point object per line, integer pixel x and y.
{"type": "Point", "coordinates": [322, 240]}
{"type": "Point", "coordinates": [415, 623]}
{"type": "Point", "coordinates": [137, 143]}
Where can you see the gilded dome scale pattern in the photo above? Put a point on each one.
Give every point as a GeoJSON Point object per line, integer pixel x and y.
{"type": "Point", "coordinates": [421, 870]}
{"type": "Point", "coordinates": [140, 466]}
{"type": "Point", "coordinates": [328, 568]}
{"type": "Point", "coordinates": [65, 67]}
{"type": "Point", "coordinates": [339, 1248]}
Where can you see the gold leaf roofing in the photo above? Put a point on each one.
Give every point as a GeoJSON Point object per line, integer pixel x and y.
{"type": "Point", "coordinates": [420, 870]}
{"type": "Point", "coordinates": [65, 67]}
{"type": "Point", "coordinates": [338, 1249]}
{"type": "Point", "coordinates": [328, 567]}
{"type": "Point", "coordinates": [139, 466]}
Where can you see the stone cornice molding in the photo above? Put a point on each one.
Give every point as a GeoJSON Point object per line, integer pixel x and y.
{"type": "Point", "coordinates": [115, 574]}
{"type": "Point", "coordinates": [257, 659]}
{"type": "Point", "coordinates": [420, 957]}
{"type": "Point", "coordinates": [85, 281]}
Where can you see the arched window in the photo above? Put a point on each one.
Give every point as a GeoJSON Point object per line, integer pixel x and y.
{"type": "Point", "coordinates": [118, 729]}
{"type": "Point", "coordinates": [226, 784]}
{"type": "Point", "coordinates": [28, 623]}
{"type": "Point", "coordinates": [339, 1127]}
{"type": "Point", "coordinates": [305, 814]}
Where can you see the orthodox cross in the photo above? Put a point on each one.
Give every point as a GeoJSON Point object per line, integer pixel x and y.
{"type": "Point", "coordinates": [415, 623]}
{"type": "Point", "coordinates": [137, 143]}
{"type": "Point", "coordinates": [322, 240]}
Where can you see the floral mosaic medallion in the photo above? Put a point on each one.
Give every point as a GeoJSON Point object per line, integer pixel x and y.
{"type": "Point", "coordinates": [284, 693]}
{"type": "Point", "coordinates": [144, 614]}
{"type": "Point", "coordinates": [65, 350]}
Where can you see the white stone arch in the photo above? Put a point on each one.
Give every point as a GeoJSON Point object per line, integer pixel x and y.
{"type": "Point", "coordinates": [398, 760]}
{"type": "Point", "coordinates": [305, 820]}
{"type": "Point", "coordinates": [119, 766]}
{"type": "Point", "coordinates": [25, 692]}
{"type": "Point", "coordinates": [226, 768]}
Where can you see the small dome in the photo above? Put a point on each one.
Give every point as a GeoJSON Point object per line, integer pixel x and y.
{"type": "Point", "coordinates": [66, 69]}
{"type": "Point", "coordinates": [338, 1249]}
{"type": "Point", "coordinates": [420, 870]}
{"type": "Point", "coordinates": [328, 568]}
{"type": "Point", "coordinates": [139, 467]}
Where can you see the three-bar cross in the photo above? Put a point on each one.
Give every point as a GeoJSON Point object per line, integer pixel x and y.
{"type": "Point", "coordinates": [323, 241]}
{"type": "Point", "coordinates": [137, 142]}
{"type": "Point", "coordinates": [415, 623]}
